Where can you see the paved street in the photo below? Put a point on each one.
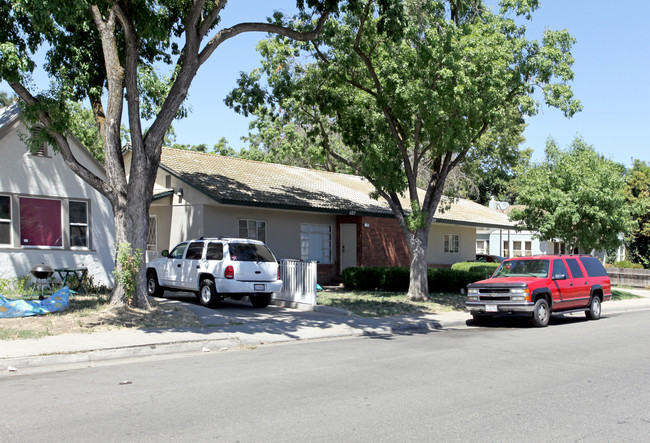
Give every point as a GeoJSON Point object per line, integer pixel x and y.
{"type": "Point", "coordinates": [575, 380]}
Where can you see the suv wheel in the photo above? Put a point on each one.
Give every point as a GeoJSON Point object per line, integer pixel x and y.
{"type": "Point", "coordinates": [208, 293]}
{"type": "Point", "coordinates": [260, 300]}
{"type": "Point", "coordinates": [541, 313]}
{"type": "Point", "coordinates": [153, 288]}
{"type": "Point", "coordinates": [594, 308]}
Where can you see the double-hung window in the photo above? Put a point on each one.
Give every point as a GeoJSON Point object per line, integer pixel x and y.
{"type": "Point", "coordinates": [5, 220]}
{"type": "Point", "coordinates": [316, 243]}
{"type": "Point", "coordinates": [452, 243]}
{"type": "Point", "coordinates": [40, 222]}
{"type": "Point", "coordinates": [252, 229]}
{"type": "Point", "coordinates": [78, 214]}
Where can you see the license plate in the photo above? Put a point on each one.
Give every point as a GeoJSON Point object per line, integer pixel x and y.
{"type": "Point", "coordinates": [491, 308]}
{"type": "Point", "coordinates": [258, 287]}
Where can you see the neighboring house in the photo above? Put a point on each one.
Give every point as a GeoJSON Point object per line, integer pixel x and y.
{"type": "Point", "coordinates": [299, 213]}
{"type": "Point", "coordinates": [518, 243]}
{"type": "Point", "coordinates": [47, 213]}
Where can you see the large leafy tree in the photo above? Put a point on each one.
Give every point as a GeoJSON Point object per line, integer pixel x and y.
{"type": "Point", "coordinates": [105, 51]}
{"type": "Point", "coordinates": [637, 194]}
{"type": "Point", "coordinates": [412, 88]}
{"type": "Point", "coordinates": [576, 196]}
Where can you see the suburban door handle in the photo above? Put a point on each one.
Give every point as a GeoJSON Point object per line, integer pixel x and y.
{"type": "Point", "coordinates": [197, 266]}
{"type": "Point", "coordinates": [178, 265]}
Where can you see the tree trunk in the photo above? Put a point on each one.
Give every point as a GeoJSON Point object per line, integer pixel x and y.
{"type": "Point", "coordinates": [132, 225]}
{"type": "Point", "coordinates": [418, 285]}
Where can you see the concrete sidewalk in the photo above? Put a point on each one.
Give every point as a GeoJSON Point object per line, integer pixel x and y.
{"type": "Point", "coordinates": [233, 326]}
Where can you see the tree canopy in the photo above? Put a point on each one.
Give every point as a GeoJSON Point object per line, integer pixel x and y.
{"type": "Point", "coordinates": [637, 195]}
{"type": "Point", "coordinates": [106, 52]}
{"type": "Point", "coordinates": [575, 196]}
{"type": "Point", "coordinates": [412, 89]}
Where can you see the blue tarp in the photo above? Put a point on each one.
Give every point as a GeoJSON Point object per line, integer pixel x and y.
{"type": "Point", "coordinates": [58, 301]}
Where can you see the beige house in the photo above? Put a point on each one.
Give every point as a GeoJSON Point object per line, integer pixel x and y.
{"type": "Point", "coordinates": [47, 213]}
{"type": "Point", "coordinates": [299, 213]}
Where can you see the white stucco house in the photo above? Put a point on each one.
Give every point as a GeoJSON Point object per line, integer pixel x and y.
{"type": "Point", "coordinates": [47, 213]}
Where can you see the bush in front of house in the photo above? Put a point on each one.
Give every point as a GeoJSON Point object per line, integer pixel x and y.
{"type": "Point", "coordinates": [627, 264]}
{"type": "Point", "coordinates": [472, 266]}
{"type": "Point", "coordinates": [396, 279]}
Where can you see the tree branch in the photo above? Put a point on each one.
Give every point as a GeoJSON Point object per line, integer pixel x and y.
{"type": "Point", "coordinates": [62, 142]}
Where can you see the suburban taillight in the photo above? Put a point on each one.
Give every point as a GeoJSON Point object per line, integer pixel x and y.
{"type": "Point", "coordinates": [229, 272]}
{"type": "Point", "coordinates": [278, 272]}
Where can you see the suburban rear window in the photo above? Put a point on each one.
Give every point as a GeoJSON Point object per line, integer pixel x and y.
{"type": "Point", "coordinates": [214, 252]}
{"type": "Point", "coordinates": [250, 252]}
{"type": "Point", "coordinates": [593, 267]}
{"type": "Point", "coordinates": [576, 272]}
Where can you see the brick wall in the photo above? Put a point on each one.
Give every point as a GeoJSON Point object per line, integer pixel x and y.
{"type": "Point", "coordinates": [382, 243]}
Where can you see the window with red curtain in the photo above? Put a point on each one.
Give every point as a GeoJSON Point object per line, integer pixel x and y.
{"type": "Point", "coordinates": [40, 222]}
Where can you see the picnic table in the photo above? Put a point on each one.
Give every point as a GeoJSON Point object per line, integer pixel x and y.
{"type": "Point", "coordinates": [79, 273]}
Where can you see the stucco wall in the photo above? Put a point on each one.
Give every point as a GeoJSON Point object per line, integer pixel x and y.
{"type": "Point", "coordinates": [25, 175]}
{"type": "Point", "coordinates": [435, 248]}
{"type": "Point", "coordinates": [282, 227]}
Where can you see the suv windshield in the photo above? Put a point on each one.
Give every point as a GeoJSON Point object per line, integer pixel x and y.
{"type": "Point", "coordinates": [523, 268]}
{"type": "Point", "coordinates": [250, 252]}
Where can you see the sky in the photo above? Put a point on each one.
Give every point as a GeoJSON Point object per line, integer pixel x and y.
{"type": "Point", "coordinates": [612, 73]}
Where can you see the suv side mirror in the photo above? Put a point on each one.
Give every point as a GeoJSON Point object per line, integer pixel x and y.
{"type": "Point", "coordinates": [164, 253]}
{"type": "Point", "coordinates": [559, 277]}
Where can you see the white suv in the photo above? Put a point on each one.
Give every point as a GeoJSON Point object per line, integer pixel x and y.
{"type": "Point", "coordinates": [216, 268]}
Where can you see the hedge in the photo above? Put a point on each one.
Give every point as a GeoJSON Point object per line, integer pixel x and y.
{"type": "Point", "coordinates": [396, 279]}
{"type": "Point", "coordinates": [628, 264]}
{"type": "Point", "coordinates": [472, 266]}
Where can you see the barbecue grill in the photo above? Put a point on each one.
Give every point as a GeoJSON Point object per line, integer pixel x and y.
{"type": "Point", "coordinates": [41, 273]}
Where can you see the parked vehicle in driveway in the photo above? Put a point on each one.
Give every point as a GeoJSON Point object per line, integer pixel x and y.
{"type": "Point", "coordinates": [489, 258]}
{"type": "Point", "coordinates": [539, 286]}
{"type": "Point", "coordinates": [217, 268]}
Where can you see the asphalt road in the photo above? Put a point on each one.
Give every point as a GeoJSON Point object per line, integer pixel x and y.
{"type": "Point", "coordinates": [573, 381]}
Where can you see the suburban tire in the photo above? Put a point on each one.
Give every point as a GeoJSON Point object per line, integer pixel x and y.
{"type": "Point", "coordinates": [153, 288]}
{"type": "Point", "coordinates": [479, 319]}
{"type": "Point", "coordinates": [541, 313]}
{"type": "Point", "coordinates": [594, 308]}
{"type": "Point", "coordinates": [208, 293]}
{"type": "Point", "coordinates": [261, 300]}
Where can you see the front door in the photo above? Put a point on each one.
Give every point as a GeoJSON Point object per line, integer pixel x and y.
{"type": "Point", "coordinates": [348, 252]}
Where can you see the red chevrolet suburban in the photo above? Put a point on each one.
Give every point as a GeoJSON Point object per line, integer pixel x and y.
{"type": "Point", "coordinates": [539, 286]}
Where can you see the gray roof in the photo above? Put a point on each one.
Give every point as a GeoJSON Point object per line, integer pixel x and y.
{"type": "Point", "coordinates": [8, 114]}
{"type": "Point", "coordinates": [237, 181]}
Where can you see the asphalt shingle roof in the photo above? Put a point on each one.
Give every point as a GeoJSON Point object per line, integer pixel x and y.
{"type": "Point", "coordinates": [237, 181]}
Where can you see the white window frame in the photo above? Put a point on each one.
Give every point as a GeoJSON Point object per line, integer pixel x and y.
{"type": "Point", "coordinates": [153, 221]}
{"type": "Point", "coordinates": [62, 224]}
{"type": "Point", "coordinates": [8, 221]}
{"type": "Point", "coordinates": [485, 249]}
{"type": "Point", "coordinates": [307, 229]}
{"type": "Point", "coordinates": [86, 225]}
{"type": "Point", "coordinates": [257, 227]}
{"type": "Point", "coordinates": [448, 247]}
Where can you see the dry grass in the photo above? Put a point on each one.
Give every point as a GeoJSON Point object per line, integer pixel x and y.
{"type": "Point", "coordinates": [378, 303]}
{"type": "Point", "coordinates": [91, 313]}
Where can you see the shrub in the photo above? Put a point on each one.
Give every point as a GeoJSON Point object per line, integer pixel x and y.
{"type": "Point", "coordinates": [396, 279]}
{"type": "Point", "coordinates": [628, 264]}
{"type": "Point", "coordinates": [472, 266]}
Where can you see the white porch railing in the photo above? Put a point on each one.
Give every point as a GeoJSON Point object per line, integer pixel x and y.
{"type": "Point", "coordinates": [298, 282]}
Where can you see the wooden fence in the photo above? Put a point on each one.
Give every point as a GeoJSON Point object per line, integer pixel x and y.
{"type": "Point", "coordinates": [636, 278]}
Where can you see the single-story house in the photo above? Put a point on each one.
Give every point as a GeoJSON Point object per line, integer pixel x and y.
{"type": "Point", "coordinates": [299, 213]}
{"type": "Point", "coordinates": [517, 243]}
{"type": "Point", "coordinates": [47, 213]}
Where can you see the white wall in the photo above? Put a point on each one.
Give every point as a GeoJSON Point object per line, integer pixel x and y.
{"type": "Point", "coordinates": [22, 175]}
